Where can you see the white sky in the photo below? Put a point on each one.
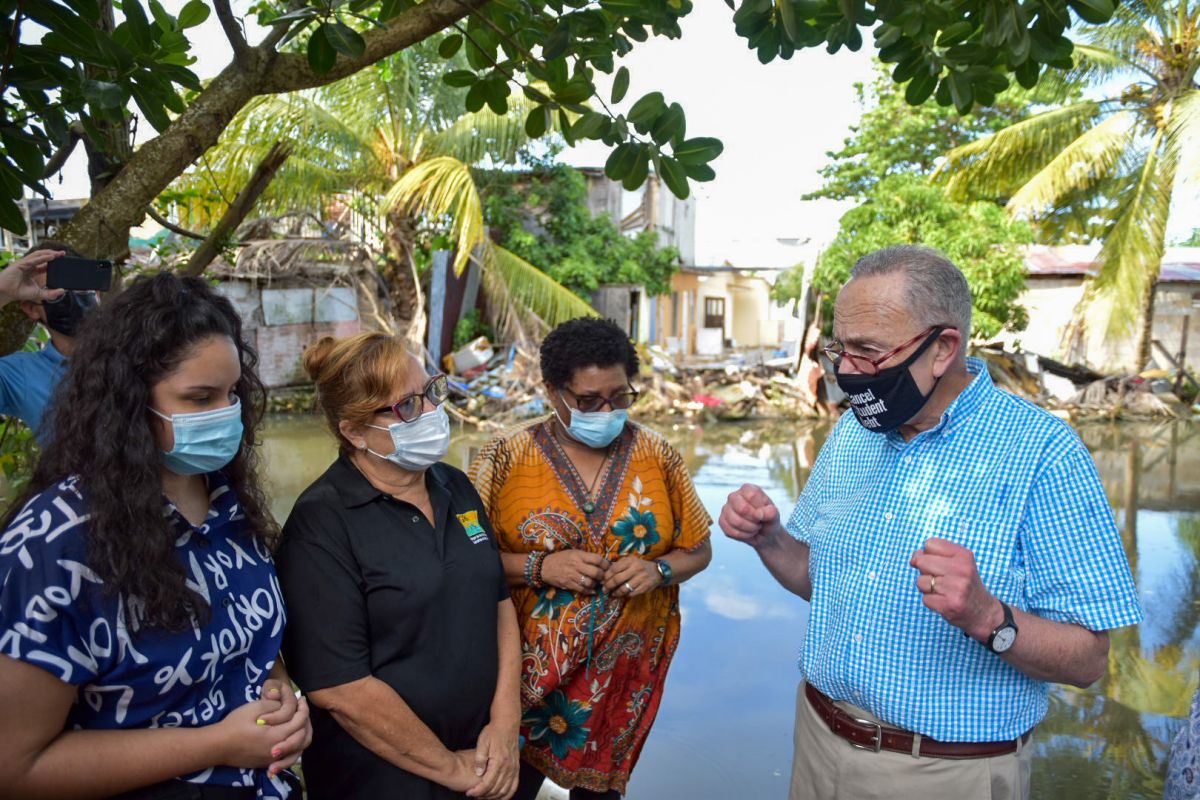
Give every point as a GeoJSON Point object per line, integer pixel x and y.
{"type": "Point", "coordinates": [776, 121]}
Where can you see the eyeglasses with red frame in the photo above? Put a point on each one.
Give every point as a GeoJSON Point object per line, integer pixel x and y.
{"type": "Point", "coordinates": [409, 407]}
{"type": "Point", "coordinates": [870, 366]}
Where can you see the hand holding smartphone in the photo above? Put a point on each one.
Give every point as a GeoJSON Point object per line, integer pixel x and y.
{"type": "Point", "coordinates": [66, 272]}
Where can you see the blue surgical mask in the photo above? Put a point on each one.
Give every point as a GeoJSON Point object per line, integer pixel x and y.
{"type": "Point", "coordinates": [596, 429]}
{"type": "Point", "coordinates": [419, 444]}
{"type": "Point", "coordinates": [204, 441]}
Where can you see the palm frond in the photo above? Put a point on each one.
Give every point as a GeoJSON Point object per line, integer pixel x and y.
{"type": "Point", "coordinates": [1183, 136]}
{"type": "Point", "coordinates": [485, 134]}
{"type": "Point", "coordinates": [533, 295]}
{"type": "Point", "coordinates": [442, 189]}
{"type": "Point", "coordinates": [1131, 255]}
{"type": "Point", "coordinates": [1081, 164]}
{"type": "Point", "coordinates": [996, 165]}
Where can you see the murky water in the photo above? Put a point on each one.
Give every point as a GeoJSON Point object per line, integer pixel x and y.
{"type": "Point", "coordinates": [724, 730]}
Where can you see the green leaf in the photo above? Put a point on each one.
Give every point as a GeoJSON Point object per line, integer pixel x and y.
{"type": "Point", "coordinates": [574, 91]}
{"type": "Point", "coordinates": [476, 97]}
{"type": "Point", "coordinates": [639, 170]}
{"type": "Point", "coordinates": [557, 42]}
{"type": "Point", "coordinates": [103, 94]}
{"type": "Point", "coordinates": [192, 14]}
{"type": "Point", "coordinates": [700, 150]}
{"type": "Point", "coordinates": [23, 150]}
{"type": "Point", "coordinates": [920, 88]}
{"type": "Point", "coordinates": [11, 218]}
{"type": "Point", "coordinates": [321, 55]}
{"type": "Point", "coordinates": [538, 122]}
{"type": "Point", "coordinates": [344, 39]}
{"type": "Point", "coordinates": [450, 45]}
{"type": "Point", "coordinates": [390, 9]}
{"type": "Point", "coordinates": [620, 85]}
{"type": "Point", "coordinates": [620, 162]}
{"type": "Point", "coordinates": [674, 177]}
{"type": "Point", "coordinates": [1096, 12]}
{"type": "Point", "coordinates": [460, 78]}
{"type": "Point", "coordinates": [669, 124]}
{"type": "Point", "coordinates": [294, 16]}
{"type": "Point", "coordinates": [590, 126]}
{"type": "Point", "coordinates": [701, 173]}
{"type": "Point", "coordinates": [139, 26]}
{"type": "Point", "coordinates": [88, 9]}
{"type": "Point", "coordinates": [646, 109]}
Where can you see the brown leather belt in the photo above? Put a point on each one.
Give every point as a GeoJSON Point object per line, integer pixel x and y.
{"type": "Point", "coordinates": [867, 735]}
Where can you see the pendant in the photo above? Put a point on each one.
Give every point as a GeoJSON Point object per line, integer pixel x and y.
{"type": "Point", "coordinates": [589, 507]}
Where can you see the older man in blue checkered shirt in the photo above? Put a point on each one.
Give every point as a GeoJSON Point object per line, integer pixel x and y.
{"type": "Point", "coordinates": [956, 545]}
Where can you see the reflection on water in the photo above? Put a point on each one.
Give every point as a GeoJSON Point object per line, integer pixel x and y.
{"type": "Point", "coordinates": [724, 730]}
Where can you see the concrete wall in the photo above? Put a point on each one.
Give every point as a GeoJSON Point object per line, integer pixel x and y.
{"type": "Point", "coordinates": [1051, 303]}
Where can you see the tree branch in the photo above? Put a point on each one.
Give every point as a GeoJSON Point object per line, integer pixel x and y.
{"type": "Point", "coordinates": [290, 72]}
{"type": "Point", "coordinates": [171, 226]}
{"type": "Point", "coordinates": [56, 162]}
{"type": "Point", "coordinates": [233, 31]}
{"type": "Point", "coordinates": [238, 209]}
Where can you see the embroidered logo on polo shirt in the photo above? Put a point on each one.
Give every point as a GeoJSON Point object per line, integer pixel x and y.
{"type": "Point", "coordinates": [470, 523]}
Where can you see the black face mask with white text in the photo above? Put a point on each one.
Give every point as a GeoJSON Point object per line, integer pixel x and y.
{"type": "Point", "coordinates": [888, 399]}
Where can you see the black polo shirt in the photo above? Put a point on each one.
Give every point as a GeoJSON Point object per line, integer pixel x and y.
{"type": "Point", "coordinates": [373, 589]}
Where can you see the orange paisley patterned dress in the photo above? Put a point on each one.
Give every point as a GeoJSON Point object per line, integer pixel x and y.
{"type": "Point", "coordinates": [593, 667]}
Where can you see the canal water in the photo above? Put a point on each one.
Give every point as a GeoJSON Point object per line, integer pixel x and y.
{"type": "Point", "coordinates": [724, 729]}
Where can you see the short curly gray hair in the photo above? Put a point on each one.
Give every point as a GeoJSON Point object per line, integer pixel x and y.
{"type": "Point", "coordinates": [936, 291]}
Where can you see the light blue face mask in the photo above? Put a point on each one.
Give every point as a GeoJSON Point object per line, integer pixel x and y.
{"type": "Point", "coordinates": [204, 441]}
{"type": "Point", "coordinates": [596, 429]}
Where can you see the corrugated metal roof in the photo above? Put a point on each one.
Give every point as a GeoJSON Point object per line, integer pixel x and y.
{"type": "Point", "coordinates": [1179, 265]}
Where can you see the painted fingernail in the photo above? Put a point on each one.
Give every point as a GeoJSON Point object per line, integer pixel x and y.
{"type": "Point", "coordinates": [274, 692]}
{"type": "Point", "coordinates": [261, 722]}
{"type": "Point", "coordinates": [276, 752]}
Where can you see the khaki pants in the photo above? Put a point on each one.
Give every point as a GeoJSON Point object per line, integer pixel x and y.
{"type": "Point", "coordinates": [826, 767]}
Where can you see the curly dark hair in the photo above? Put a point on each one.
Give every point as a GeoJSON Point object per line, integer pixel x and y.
{"type": "Point", "coordinates": [585, 342]}
{"type": "Point", "coordinates": [101, 433]}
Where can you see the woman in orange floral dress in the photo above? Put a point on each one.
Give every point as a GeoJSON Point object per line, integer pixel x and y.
{"type": "Point", "coordinates": [598, 524]}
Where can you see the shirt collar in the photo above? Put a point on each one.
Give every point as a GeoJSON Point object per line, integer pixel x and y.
{"type": "Point", "coordinates": [968, 400]}
{"type": "Point", "coordinates": [51, 354]}
{"type": "Point", "coordinates": [354, 489]}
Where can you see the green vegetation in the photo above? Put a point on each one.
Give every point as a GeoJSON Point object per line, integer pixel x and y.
{"type": "Point", "coordinates": [543, 217]}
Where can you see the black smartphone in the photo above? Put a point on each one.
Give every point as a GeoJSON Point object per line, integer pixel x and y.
{"type": "Point", "coordinates": [66, 272]}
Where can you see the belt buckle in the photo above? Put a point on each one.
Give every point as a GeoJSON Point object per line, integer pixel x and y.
{"type": "Point", "coordinates": [878, 746]}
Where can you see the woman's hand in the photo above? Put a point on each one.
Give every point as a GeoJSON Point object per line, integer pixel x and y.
{"type": "Point", "coordinates": [497, 755]}
{"type": "Point", "coordinates": [575, 570]}
{"type": "Point", "coordinates": [630, 576]}
{"type": "Point", "coordinates": [287, 752]}
{"type": "Point", "coordinates": [18, 281]}
{"type": "Point", "coordinates": [241, 741]}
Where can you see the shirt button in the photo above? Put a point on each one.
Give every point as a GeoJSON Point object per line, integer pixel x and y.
{"type": "Point", "coordinates": [228, 601]}
{"type": "Point", "coordinates": [888, 516]}
{"type": "Point", "coordinates": [908, 459]}
{"type": "Point", "coordinates": [201, 541]}
{"type": "Point", "coordinates": [416, 519]}
{"type": "Point", "coordinates": [872, 575]}
{"type": "Point", "coordinates": [858, 637]}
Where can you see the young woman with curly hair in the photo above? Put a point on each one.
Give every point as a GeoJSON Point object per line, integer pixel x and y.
{"type": "Point", "coordinates": [140, 614]}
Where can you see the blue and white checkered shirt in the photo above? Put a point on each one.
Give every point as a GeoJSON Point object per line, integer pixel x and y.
{"type": "Point", "coordinates": [997, 475]}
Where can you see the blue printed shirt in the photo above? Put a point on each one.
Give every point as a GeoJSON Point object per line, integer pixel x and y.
{"type": "Point", "coordinates": [997, 475]}
{"type": "Point", "coordinates": [55, 614]}
{"type": "Point", "coordinates": [27, 381]}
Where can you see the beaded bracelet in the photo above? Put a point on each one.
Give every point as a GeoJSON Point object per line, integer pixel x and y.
{"type": "Point", "coordinates": [538, 583]}
{"type": "Point", "coordinates": [533, 569]}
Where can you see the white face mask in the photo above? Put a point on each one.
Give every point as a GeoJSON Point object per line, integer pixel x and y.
{"type": "Point", "coordinates": [418, 444]}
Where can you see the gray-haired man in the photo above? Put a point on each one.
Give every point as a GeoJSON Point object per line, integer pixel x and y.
{"type": "Point", "coordinates": [956, 545]}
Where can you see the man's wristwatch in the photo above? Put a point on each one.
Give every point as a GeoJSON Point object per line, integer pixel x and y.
{"type": "Point", "coordinates": [1005, 634]}
{"type": "Point", "coordinates": [664, 569]}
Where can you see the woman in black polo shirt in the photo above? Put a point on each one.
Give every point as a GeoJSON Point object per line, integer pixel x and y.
{"type": "Point", "coordinates": [400, 628]}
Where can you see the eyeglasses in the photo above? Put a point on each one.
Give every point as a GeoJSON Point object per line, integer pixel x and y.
{"type": "Point", "coordinates": [588, 403]}
{"type": "Point", "coordinates": [870, 366]}
{"type": "Point", "coordinates": [409, 407]}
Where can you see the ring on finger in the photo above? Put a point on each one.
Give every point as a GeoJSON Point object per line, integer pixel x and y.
{"type": "Point", "coordinates": [583, 581]}
{"type": "Point", "coordinates": [933, 584]}
{"type": "Point", "coordinates": [628, 588]}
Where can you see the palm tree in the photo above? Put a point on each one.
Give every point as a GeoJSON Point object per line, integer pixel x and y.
{"type": "Point", "coordinates": [391, 148]}
{"type": "Point", "coordinates": [1121, 152]}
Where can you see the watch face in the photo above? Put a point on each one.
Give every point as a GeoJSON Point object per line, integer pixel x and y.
{"type": "Point", "coordinates": [1004, 639]}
